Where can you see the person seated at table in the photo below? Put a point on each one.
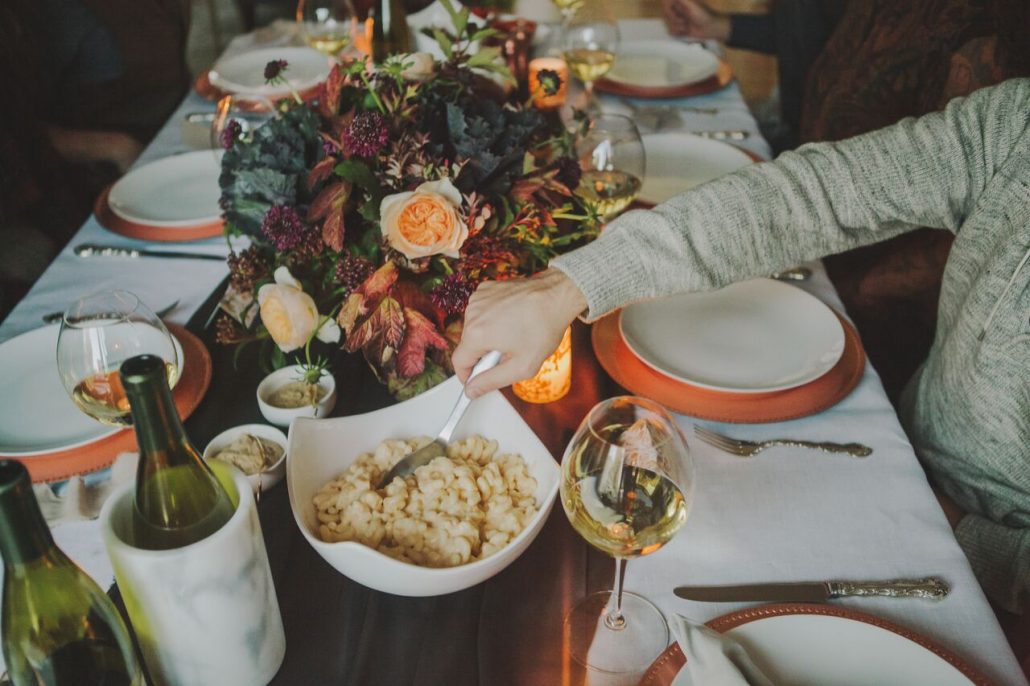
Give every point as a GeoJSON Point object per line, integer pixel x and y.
{"type": "Point", "coordinates": [966, 170]}
{"type": "Point", "coordinates": [795, 31]}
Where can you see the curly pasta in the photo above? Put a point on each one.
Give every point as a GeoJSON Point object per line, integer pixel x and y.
{"type": "Point", "coordinates": [454, 510]}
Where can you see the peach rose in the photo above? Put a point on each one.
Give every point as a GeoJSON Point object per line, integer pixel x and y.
{"type": "Point", "coordinates": [425, 221]}
{"type": "Point", "coordinates": [290, 315]}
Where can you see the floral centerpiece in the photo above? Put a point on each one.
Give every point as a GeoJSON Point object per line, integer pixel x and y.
{"type": "Point", "coordinates": [376, 211]}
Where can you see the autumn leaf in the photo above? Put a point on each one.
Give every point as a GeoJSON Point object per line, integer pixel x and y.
{"type": "Point", "coordinates": [332, 88]}
{"type": "Point", "coordinates": [321, 171]}
{"type": "Point", "coordinates": [332, 231]}
{"type": "Point", "coordinates": [331, 198]}
{"type": "Point", "coordinates": [419, 334]}
{"type": "Point", "coordinates": [409, 295]}
{"type": "Point", "coordinates": [365, 297]}
{"type": "Point", "coordinates": [381, 334]}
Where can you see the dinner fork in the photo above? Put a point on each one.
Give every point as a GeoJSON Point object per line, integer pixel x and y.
{"type": "Point", "coordinates": [741, 448]}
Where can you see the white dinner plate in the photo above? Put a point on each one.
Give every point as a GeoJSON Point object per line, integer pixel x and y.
{"type": "Point", "coordinates": [177, 191]}
{"type": "Point", "coordinates": [816, 650]}
{"type": "Point", "coordinates": [662, 64]}
{"type": "Point", "coordinates": [751, 337]}
{"type": "Point", "coordinates": [245, 73]}
{"type": "Point", "coordinates": [679, 161]}
{"type": "Point", "coordinates": [37, 416]}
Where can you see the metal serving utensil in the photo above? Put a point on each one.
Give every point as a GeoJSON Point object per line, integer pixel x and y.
{"type": "Point", "coordinates": [793, 274]}
{"type": "Point", "coordinates": [438, 446]}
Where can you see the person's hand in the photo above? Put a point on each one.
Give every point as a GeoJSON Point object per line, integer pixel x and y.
{"type": "Point", "coordinates": [82, 146]}
{"type": "Point", "coordinates": [693, 19]}
{"type": "Point", "coordinates": [524, 319]}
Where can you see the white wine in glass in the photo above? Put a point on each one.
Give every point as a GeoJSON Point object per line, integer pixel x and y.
{"type": "Point", "coordinates": [98, 333]}
{"type": "Point", "coordinates": [612, 160]}
{"type": "Point", "coordinates": [627, 485]}
{"type": "Point", "coordinates": [327, 25]}
{"type": "Point", "coordinates": [589, 46]}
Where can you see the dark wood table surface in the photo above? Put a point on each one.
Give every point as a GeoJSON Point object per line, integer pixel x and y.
{"type": "Point", "coordinates": [507, 630]}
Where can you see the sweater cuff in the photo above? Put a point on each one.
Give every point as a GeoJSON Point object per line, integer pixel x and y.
{"type": "Point", "coordinates": [1000, 557]}
{"type": "Point", "coordinates": [607, 271]}
{"type": "Point", "coordinates": [753, 32]}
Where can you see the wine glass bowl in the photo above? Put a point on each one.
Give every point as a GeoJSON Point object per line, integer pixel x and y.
{"type": "Point", "coordinates": [98, 333]}
{"type": "Point", "coordinates": [589, 46]}
{"type": "Point", "coordinates": [326, 25]}
{"type": "Point", "coordinates": [627, 487]}
{"type": "Point", "coordinates": [612, 160]}
{"type": "Point", "coordinates": [238, 115]}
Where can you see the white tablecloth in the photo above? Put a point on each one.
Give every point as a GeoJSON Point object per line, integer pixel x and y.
{"type": "Point", "coordinates": [790, 514]}
{"type": "Point", "coordinates": [786, 515]}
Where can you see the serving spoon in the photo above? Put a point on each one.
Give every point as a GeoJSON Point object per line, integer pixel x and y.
{"type": "Point", "coordinates": [438, 446]}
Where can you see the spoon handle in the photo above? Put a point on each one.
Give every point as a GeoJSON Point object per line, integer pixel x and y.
{"type": "Point", "coordinates": [488, 361]}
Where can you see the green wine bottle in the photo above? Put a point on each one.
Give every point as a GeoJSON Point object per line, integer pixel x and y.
{"type": "Point", "coordinates": [179, 500]}
{"type": "Point", "coordinates": [59, 628]}
{"type": "Point", "coordinates": [390, 32]}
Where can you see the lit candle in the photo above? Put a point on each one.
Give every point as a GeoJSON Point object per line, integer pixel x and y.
{"type": "Point", "coordinates": [542, 98]}
{"type": "Point", "coordinates": [554, 379]}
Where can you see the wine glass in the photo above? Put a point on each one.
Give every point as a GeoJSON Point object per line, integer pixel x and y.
{"type": "Point", "coordinates": [327, 25]}
{"type": "Point", "coordinates": [98, 333]}
{"type": "Point", "coordinates": [627, 486]}
{"type": "Point", "coordinates": [588, 46]}
{"type": "Point", "coordinates": [611, 157]}
{"type": "Point", "coordinates": [248, 110]}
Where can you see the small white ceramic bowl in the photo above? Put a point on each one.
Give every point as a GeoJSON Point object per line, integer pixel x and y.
{"type": "Point", "coordinates": [320, 450]}
{"type": "Point", "coordinates": [274, 473]}
{"type": "Point", "coordinates": [282, 416]}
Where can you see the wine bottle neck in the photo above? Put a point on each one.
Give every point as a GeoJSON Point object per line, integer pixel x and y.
{"type": "Point", "coordinates": [24, 534]}
{"type": "Point", "coordinates": [159, 431]}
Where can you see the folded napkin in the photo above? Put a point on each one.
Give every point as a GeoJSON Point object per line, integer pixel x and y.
{"type": "Point", "coordinates": [81, 497]}
{"type": "Point", "coordinates": [714, 659]}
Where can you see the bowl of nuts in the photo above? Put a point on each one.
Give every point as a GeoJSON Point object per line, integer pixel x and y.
{"type": "Point", "coordinates": [452, 524]}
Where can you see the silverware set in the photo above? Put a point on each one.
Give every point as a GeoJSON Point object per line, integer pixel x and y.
{"type": "Point", "coordinates": [54, 317]}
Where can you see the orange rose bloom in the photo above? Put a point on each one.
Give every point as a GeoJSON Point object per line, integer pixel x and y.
{"type": "Point", "coordinates": [425, 221]}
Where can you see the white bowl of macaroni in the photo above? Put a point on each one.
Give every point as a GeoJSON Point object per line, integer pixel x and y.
{"type": "Point", "coordinates": [453, 525]}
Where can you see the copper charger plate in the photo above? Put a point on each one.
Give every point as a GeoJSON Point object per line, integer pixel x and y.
{"type": "Point", "coordinates": [745, 408]}
{"type": "Point", "coordinates": [64, 464]}
{"type": "Point", "coordinates": [165, 234]}
{"type": "Point", "coordinates": [664, 669]}
{"type": "Point", "coordinates": [721, 79]}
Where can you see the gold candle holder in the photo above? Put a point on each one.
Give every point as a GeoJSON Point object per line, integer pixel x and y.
{"type": "Point", "coordinates": [541, 99]}
{"type": "Point", "coordinates": [553, 380]}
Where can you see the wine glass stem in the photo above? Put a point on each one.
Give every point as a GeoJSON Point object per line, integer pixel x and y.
{"type": "Point", "coordinates": [613, 618]}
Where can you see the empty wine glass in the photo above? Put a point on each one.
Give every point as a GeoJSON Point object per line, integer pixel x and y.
{"type": "Point", "coordinates": [327, 25]}
{"type": "Point", "coordinates": [627, 486]}
{"type": "Point", "coordinates": [98, 333]}
{"type": "Point", "coordinates": [589, 45]}
{"type": "Point", "coordinates": [612, 159]}
{"type": "Point", "coordinates": [236, 116]}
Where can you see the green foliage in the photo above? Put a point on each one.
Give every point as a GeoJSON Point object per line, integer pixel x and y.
{"type": "Point", "coordinates": [269, 169]}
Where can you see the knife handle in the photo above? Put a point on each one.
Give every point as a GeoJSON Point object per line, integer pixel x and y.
{"type": "Point", "coordinates": [931, 588]}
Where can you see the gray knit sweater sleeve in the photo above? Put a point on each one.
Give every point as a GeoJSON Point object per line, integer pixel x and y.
{"type": "Point", "coordinates": [821, 199]}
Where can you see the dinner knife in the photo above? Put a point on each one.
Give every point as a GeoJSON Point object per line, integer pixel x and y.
{"type": "Point", "coordinates": [932, 588]}
{"type": "Point", "coordinates": [94, 250]}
